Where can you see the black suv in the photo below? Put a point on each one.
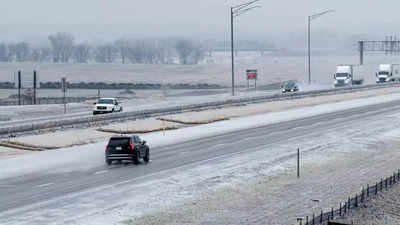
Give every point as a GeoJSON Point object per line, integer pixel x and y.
{"type": "Point", "coordinates": [127, 148]}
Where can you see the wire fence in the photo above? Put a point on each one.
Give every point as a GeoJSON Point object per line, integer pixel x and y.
{"type": "Point", "coordinates": [353, 202]}
{"type": "Point", "coordinates": [44, 100]}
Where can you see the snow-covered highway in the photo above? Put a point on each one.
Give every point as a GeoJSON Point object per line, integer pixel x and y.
{"type": "Point", "coordinates": [74, 186]}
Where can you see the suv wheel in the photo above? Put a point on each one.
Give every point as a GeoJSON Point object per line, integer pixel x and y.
{"type": "Point", "coordinates": [108, 161]}
{"type": "Point", "coordinates": [147, 157]}
{"type": "Point", "coordinates": [136, 158]}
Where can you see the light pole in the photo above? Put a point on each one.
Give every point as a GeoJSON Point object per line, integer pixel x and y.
{"type": "Point", "coordinates": [310, 18]}
{"type": "Point", "coordinates": [235, 12]}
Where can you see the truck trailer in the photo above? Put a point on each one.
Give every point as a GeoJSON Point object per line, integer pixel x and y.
{"type": "Point", "coordinates": [387, 73]}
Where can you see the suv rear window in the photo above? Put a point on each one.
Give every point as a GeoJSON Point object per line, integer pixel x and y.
{"type": "Point", "coordinates": [119, 141]}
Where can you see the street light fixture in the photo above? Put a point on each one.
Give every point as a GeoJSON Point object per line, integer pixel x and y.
{"type": "Point", "coordinates": [235, 12]}
{"type": "Point", "coordinates": [310, 18]}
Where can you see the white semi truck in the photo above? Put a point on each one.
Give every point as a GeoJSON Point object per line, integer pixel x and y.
{"type": "Point", "coordinates": [345, 76]}
{"type": "Point", "coordinates": [387, 73]}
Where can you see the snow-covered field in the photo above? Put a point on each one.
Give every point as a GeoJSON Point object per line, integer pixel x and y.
{"type": "Point", "coordinates": [217, 70]}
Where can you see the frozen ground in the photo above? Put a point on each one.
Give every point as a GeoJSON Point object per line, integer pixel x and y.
{"type": "Point", "coordinates": [91, 135]}
{"type": "Point", "coordinates": [252, 187]}
{"type": "Point", "coordinates": [217, 70]}
{"type": "Point", "coordinates": [143, 100]}
{"type": "Point", "coordinates": [249, 188]}
{"type": "Point", "coordinates": [383, 209]}
{"type": "Point", "coordinates": [261, 189]}
{"type": "Point", "coordinates": [65, 159]}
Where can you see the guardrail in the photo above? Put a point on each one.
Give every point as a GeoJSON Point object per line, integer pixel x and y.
{"type": "Point", "coordinates": [12, 130]}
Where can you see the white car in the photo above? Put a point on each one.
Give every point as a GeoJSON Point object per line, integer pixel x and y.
{"type": "Point", "coordinates": [107, 105]}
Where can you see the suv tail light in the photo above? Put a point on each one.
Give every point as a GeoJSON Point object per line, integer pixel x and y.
{"type": "Point", "coordinates": [131, 145]}
{"type": "Point", "coordinates": [106, 147]}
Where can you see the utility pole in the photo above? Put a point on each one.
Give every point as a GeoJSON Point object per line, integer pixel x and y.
{"type": "Point", "coordinates": [310, 18]}
{"type": "Point", "coordinates": [235, 12]}
{"type": "Point", "coordinates": [309, 50]}
{"type": "Point", "coordinates": [232, 55]}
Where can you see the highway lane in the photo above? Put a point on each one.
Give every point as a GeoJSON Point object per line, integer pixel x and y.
{"type": "Point", "coordinates": [19, 192]}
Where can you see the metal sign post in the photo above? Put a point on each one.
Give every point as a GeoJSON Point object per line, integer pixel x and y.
{"type": "Point", "coordinates": [64, 89]}
{"type": "Point", "coordinates": [34, 86]}
{"type": "Point", "coordinates": [19, 87]}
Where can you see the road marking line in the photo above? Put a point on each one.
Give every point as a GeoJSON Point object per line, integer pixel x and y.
{"type": "Point", "coordinates": [45, 185]}
{"type": "Point", "coordinates": [101, 172]}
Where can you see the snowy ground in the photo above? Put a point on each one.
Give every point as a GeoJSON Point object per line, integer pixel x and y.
{"type": "Point", "coordinates": [142, 100]}
{"type": "Point", "coordinates": [258, 187]}
{"type": "Point", "coordinates": [92, 135]}
{"type": "Point", "coordinates": [216, 70]}
{"type": "Point", "coordinates": [249, 188]}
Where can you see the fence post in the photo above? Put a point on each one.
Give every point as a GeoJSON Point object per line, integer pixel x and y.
{"type": "Point", "coordinates": [367, 190]}
{"type": "Point", "coordinates": [356, 203]}
{"type": "Point", "coordinates": [340, 209]}
{"type": "Point", "coordinates": [306, 220]}
{"type": "Point", "coordinates": [322, 213]}
{"type": "Point", "coordinates": [345, 208]}
{"type": "Point", "coordinates": [386, 184]}
{"type": "Point", "coordinates": [381, 183]}
{"type": "Point", "coordinates": [313, 219]}
{"type": "Point", "coordinates": [332, 213]}
{"type": "Point", "coordinates": [349, 203]}
{"type": "Point", "coordinates": [362, 195]}
{"type": "Point", "coordinates": [376, 188]}
{"type": "Point", "coordinates": [298, 162]}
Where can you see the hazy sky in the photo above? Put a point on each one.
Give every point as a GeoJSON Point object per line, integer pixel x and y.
{"type": "Point", "coordinates": [107, 19]}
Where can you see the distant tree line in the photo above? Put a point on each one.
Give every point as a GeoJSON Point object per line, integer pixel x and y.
{"type": "Point", "coordinates": [63, 48]}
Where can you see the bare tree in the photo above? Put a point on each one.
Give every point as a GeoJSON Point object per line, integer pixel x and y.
{"type": "Point", "coordinates": [11, 52]}
{"type": "Point", "coordinates": [62, 44]}
{"type": "Point", "coordinates": [106, 54]}
{"type": "Point", "coordinates": [82, 53]}
{"type": "Point", "coordinates": [22, 51]}
{"type": "Point", "coordinates": [45, 54]}
{"type": "Point", "coordinates": [198, 53]}
{"type": "Point", "coordinates": [123, 46]}
{"type": "Point", "coordinates": [184, 49]}
{"type": "Point", "coordinates": [3, 53]}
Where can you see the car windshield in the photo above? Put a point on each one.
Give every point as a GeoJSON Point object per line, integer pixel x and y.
{"type": "Point", "coordinates": [106, 101]}
{"type": "Point", "coordinates": [341, 75]}
{"type": "Point", "coordinates": [290, 85]}
{"type": "Point", "coordinates": [119, 141]}
{"type": "Point", "coordinates": [383, 73]}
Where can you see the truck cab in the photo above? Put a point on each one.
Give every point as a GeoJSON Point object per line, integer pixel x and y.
{"type": "Point", "coordinates": [343, 75]}
{"type": "Point", "coordinates": [386, 73]}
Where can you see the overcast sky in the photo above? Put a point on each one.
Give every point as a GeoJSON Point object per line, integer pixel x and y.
{"type": "Point", "coordinates": [108, 19]}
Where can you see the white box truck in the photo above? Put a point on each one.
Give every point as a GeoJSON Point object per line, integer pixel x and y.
{"type": "Point", "coordinates": [345, 76]}
{"type": "Point", "coordinates": [387, 73]}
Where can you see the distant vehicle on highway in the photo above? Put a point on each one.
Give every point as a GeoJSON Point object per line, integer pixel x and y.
{"type": "Point", "coordinates": [345, 76]}
{"type": "Point", "coordinates": [127, 148]}
{"type": "Point", "coordinates": [387, 73]}
{"type": "Point", "coordinates": [107, 105]}
{"type": "Point", "coordinates": [289, 86]}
